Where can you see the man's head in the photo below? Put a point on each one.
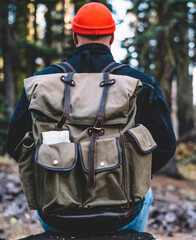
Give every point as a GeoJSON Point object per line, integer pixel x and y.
{"type": "Point", "coordinates": [93, 23]}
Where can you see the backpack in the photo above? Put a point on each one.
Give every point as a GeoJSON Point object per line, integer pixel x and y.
{"type": "Point", "coordinates": [84, 156]}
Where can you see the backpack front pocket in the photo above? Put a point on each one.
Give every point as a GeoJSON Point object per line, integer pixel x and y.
{"type": "Point", "coordinates": [24, 154]}
{"type": "Point", "coordinates": [138, 145]}
{"type": "Point", "coordinates": [57, 179]}
{"type": "Point", "coordinates": [108, 174]}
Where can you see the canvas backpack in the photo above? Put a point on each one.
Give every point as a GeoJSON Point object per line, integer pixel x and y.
{"type": "Point", "coordinates": [95, 158]}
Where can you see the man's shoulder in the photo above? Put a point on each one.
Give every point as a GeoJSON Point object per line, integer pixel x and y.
{"type": "Point", "coordinates": [135, 73]}
{"type": "Point", "coordinates": [125, 70]}
{"type": "Point", "coordinates": [48, 70]}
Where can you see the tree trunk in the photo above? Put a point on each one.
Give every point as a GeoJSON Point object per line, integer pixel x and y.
{"type": "Point", "coordinates": [185, 103]}
{"type": "Point", "coordinates": [49, 22]}
{"type": "Point", "coordinates": [7, 47]}
{"type": "Point", "coordinates": [35, 22]}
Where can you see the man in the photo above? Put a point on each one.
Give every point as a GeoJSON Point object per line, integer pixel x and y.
{"type": "Point", "coordinates": [93, 33]}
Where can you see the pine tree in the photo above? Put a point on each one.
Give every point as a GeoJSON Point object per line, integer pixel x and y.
{"type": "Point", "coordinates": [4, 122]}
{"type": "Point", "coordinates": [6, 47]}
{"type": "Point", "coordinates": [161, 42]}
{"type": "Point", "coordinates": [79, 3]}
{"type": "Point", "coordinates": [21, 63]}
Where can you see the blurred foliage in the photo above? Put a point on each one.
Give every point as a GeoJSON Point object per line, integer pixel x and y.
{"type": "Point", "coordinates": [38, 43]}
{"type": "Point", "coordinates": [30, 45]}
{"type": "Point", "coordinates": [79, 3]}
{"type": "Point", "coordinates": [186, 153]}
{"type": "Point", "coordinates": [186, 160]}
{"type": "Point", "coordinates": [27, 45]}
{"type": "Point", "coordinates": [33, 35]}
{"type": "Point", "coordinates": [163, 43]}
{"type": "Point", "coordinates": [163, 46]}
{"type": "Point", "coordinates": [4, 122]}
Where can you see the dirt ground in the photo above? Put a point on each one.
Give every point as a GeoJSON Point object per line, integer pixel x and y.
{"type": "Point", "coordinates": [177, 195]}
{"type": "Point", "coordinates": [172, 215]}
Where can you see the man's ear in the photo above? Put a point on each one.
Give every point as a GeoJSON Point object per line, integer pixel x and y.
{"type": "Point", "coordinates": [112, 38]}
{"type": "Point", "coordinates": [75, 38]}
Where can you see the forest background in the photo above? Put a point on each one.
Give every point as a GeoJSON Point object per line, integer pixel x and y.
{"type": "Point", "coordinates": [157, 37]}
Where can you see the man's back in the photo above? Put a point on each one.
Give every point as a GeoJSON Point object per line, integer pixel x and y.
{"type": "Point", "coordinates": [93, 36]}
{"type": "Point", "coordinates": [152, 111]}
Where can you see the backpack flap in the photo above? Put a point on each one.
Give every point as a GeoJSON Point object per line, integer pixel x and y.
{"type": "Point", "coordinates": [108, 155]}
{"type": "Point", "coordinates": [46, 95]}
{"type": "Point", "coordinates": [143, 138]}
{"type": "Point", "coordinates": [57, 157]}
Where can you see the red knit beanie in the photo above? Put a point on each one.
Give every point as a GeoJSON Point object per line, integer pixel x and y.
{"type": "Point", "coordinates": [93, 19]}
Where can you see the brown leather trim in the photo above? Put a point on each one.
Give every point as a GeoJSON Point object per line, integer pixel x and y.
{"type": "Point", "coordinates": [68, 81]}
{"type": "Point", "coordinates": [95, 131]}
{"type": "Point", "coordinates": [102, 169]}
{"type": "Point", "coordinates": [118, 67]}
{"type": "Point", "coordinates": [108, 82]}
{"type": "Point", "coordinates": [57, 169]}
{"type": "Point", "coordinates": [61, 67]}
{"type": "Point", "coordinates": [103, 102]}
{"type": "Point", "coordinates": [108, 66]}
{"type": "Point", "coordinates": [70, 66]}
{"type": "Point", "coordinates": [92, 159]}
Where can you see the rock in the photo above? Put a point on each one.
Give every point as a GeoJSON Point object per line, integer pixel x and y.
{"type": "Point", "coordinates": [171, 188]}
{"type": "Point", "coordinates": [171, 213]}
{"type": "Point", "coordinates": [17, 207]}
{"type": "Point", "coordinates": [173, 207]}
{"type": "Point", "coordinates": [170, 217]}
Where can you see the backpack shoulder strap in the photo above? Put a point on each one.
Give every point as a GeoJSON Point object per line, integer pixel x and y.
{"type": "Point", "coordinates": [118, 66]}
{"type": "Point", "coordinates": [114, 66]}
{"type": "Point", "coordinates": [108, 67]}
{"type": "Point", "coordinates": [65, 67]}
{"type": "Point", "coordinates": [69, 82]}
{"type": "Point", "coordinates": [61, 67]}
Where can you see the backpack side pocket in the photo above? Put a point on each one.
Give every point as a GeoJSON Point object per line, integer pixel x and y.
{"type": "Point", "coordinates": [138, 145]}
{"type": "Point", "coordinates": [24, 153]}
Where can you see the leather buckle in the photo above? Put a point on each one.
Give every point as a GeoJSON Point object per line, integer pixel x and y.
{"type": "Point", "coordinates": [95, 129]}
{"type": "Point", "coordinates": [107, 82]}
{"type": "Point", "coordinates": [68, 81]}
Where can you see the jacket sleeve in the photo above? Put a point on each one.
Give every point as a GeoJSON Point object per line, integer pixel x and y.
{"type": "Point", "coordinates": [158, 122]}
{"type": "Point", "coordinates": [20, 124]}
{"type": "Point", "coordinates": [153, 113]}
{"type": "Point", "coordinates": [21, 121]}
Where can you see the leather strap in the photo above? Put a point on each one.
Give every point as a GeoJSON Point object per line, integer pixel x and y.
{"type": "Point", "coordinates": [97, 128]}
{"type": "Point", "coordinates": [114, 66]}
{"type": "Point", "coordinates": [108, 67]}
{"type": "Point", "coordinates": [61, 67]}
{"type": "Point", "coordinates": [70, 67]}
{"type": "Point", "coordinates": [118, 67]}
{"type": "Point", "coordinates": [104, 84]}
{"type": "Point", "coordinates": [68, 82]}
{"type": "Point", "coordinates": [65, 67]}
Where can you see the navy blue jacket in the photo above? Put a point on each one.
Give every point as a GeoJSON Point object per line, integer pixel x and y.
{"type": "Point", "coordinates": [152, 110]}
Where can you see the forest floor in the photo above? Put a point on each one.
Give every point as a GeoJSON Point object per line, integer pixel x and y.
{"type": "Point", "coordinates": [172, 215]}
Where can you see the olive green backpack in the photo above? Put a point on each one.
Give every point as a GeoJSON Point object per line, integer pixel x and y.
{"type": "Point", "coordinates": [84, 154]}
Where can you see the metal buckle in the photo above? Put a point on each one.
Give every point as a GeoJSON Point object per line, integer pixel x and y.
{"type": "Point", "coordinates": [100, 130]}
